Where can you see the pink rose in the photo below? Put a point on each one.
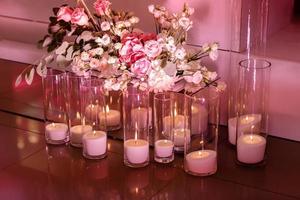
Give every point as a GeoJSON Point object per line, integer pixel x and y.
{"type": "Point", "coordinates": [102, 6]}
{"type": "Point", "coordinates": [152, 48]}
{"type": "Point", "coordinates": [64, 13]}
{"type": "Point", "coordinates": [79, 17]}
{"type": "Point", "coordinates": [95, 63]}
{"type": "Point", "coordinates": [131, 51]}
{"type": "Point", "coordinates": [141, 67]}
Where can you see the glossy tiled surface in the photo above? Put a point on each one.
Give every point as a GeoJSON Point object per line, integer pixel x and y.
{"type": "Point", "coordinates": [30, 169]}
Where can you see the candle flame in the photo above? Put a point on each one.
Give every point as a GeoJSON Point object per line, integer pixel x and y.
{"type": "Point", "coordinates": [136, 190]}
{"type": "Point", "coordinates": [107, 109]}
{"type": "Point", "coordinates": [251, 137]}
{"type": "Point", "coordinates": [53, 124]}
{"type": "Point", "coordinates": [94, 132]}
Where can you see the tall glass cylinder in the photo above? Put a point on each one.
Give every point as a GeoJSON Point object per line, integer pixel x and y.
{"type": "Point", "coordinates": [78, 124]}
{"type": "Point", "coordinates": [180, 120]}
{"type": "Point", "coordinates": [136, 127]}
{"type": "Point", "coordinates": [113, 110]}
{"type": "Point", "coordinates": [252, 120]}
{"type": "Point", "coordinates": [163, 137]}
{"type": "Point", "coordinates": [55, 114]}
{"type": "Point", "coordinates": [249, 23]}
{"type": "Point", "coordinates": [93, 103]}
{"type": "Point", "coordinates": [200, 153]}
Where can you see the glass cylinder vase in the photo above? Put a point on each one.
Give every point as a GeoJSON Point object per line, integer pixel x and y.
{"type": "Point", "coordinates": [113, 110]}
{"type": "Point", "coordinates": [94, 113]}
{"type": "Point", "coordinates": [55, 114]}
{"type": "Point", "coordinates": [200, 153]}
{"type": "Point", "coordinates": [78, 124]}
{"type": "Point", "coordinates": [252, 120]}
{"type": "Point", "coordinates": [163, 137]}
{"type": "Point", "coordinates": [136, 127]}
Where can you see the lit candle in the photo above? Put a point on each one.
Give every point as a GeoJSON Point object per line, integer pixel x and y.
{"type": "Point", "coordinates": [163, 148]}
{"type": "Point", "coordinates": [139, 116]}
{"type": "Point", "coordinates": [251, 148]}
{"type": "Point", "coordinates": [94, 143]}
{"type": "Point", "coordinates": [92, 111]}
{"type": "Point", "coordinates": [77, 132]}
{"type": "Point", "coordinates": [247, 122]}
{"type": "Point", "coordinates": [202, 162]}
{"type": "Point", "coordinates": [179, 135]}
{"type": "Point", "coordinates": [57, 131]}
{"type": "Point", "coordinates": [136, 150]}
{"type": "Point", "coordinates": [199, 119]}
{"type": "Point", "coordinates": [113, 117]}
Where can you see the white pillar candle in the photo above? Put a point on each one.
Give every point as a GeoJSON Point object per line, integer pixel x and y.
{"type": "Point", "coordinates": [179, 135]}
{"type": "Point", "coordinates": [163, 148]}
{"type": "Point", "coordinates": [94, 143]}
{"type": "Point", "coordinates": [92, 111]}
{"type": "Point", "coordinates": [139, 116]}
{"type": "Point", "coordinates": [113, 117]}
{"type": "Point", "coordinates": [251, 148]}
{"type": "Point", "coordinates": [199, 119]}
{"type": "Point", "coordinates": [202, 161]}
{"type": "Point", "coordinates": [57, 131]}
{"type": "Point", "coordinates": [136, 150]}
{"type": "Point", "coordinates": [78, 131]}
{"type": "Point", "coordinates": [247, 123]}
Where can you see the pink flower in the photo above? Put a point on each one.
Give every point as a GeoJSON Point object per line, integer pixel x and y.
{"type": "Point", "coordinates": [79, 17]}
{"type": "Point", "coordinates": [141, 67]}
{"type": "Point", "coordinates": [95, 63]}
{"type": "Point", "coordinates": [102, 6]}
{"type": "Point", "coordinates": [64, 13]}
{"type": "Point", "coordinates": [152, 48]}
{"type": "Point", "coordinates": [132, 50]}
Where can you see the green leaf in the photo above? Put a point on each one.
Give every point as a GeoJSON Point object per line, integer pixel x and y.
{"type": "Point", "coordinates": [53, 20]}
{"type": "Point", "coordinates": [55, 10]}
{"type": "Point", "coordinates": [18, 80]}
{"type": "Point", "coordinates": [29, 77]}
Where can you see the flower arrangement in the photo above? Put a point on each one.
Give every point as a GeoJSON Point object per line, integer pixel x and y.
{"type": "Point", "coordinates": [108, 44]}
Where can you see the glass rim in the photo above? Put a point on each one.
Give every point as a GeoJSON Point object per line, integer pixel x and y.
{"type": "Point", "coordinates": [253, 61]}
{"type": "Point", "coordinates": [57, 72]}
{"type": "Point", "coordinates": [165, 98]}
{"type": "Point", "coordinates": [215, 96]}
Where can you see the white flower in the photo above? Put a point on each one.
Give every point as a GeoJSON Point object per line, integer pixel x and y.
{"type": "Point", "coordinates": [118, 46]}
{"type": "Point", "coordinates": [62, 48]}
{"type": "Point", "coordinates": [127, 23]}
{"type": "Point", "coordinates": [134, 20]}
{"type": "Point", "coordinates": [159, 81]}
{"type": "Point", "coordinates": [196, 78]}
{"type": "Point", "coordinates": [213, 54]}
{"type": "Point", "coordinates": [221, 86]}
{"type": "Point", "coordinates": [151, 8]}
{"type": "Point", "coordinates": [105, 40]}
{"type": "Point", "coordinates": [180, 53]}
{"type": "Point", "coordinates": [185, 23]}
{"type": "Point", "coordinates": [171, 47]}
{"type": "Point", "coordinates": [212, 75]}
{"type": "Point", "coordinates": [105, 26]}
{"type": "Point", "coordinates": [84, 56]}
{"type": "Point", "coordinates": [170, 40]}
{"type": "Point", "coordinates": [98, 51]}
{"type": "Point", "coordinates": [112, 60]}
{"type": "Point", "coordinates": [205, 47]}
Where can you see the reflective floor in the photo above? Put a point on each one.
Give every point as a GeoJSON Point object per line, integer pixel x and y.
{"type": "Point", "coordinates": [30, 169]}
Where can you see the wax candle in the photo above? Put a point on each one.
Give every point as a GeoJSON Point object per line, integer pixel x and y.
{"type": "Point", "coordinates": [139, 116]}
{"type": "Point", "coordinates": [202, 161]}
{"type": "Point", "coordinates": [199, 119]}
{"type": "Point", "coordinates": [136, 150]}
{"type": "Point", "coordinates": [179, 135]}
{"type": "Point", "coordinates": [247, 123]}
{"type": "Point", "coordinates": [92, 111]}
{"type": "Point", "coordinates": [94, 143]}
{"type": "Point", "coordinates": [77, 132]}
{"type": "Point", "coordinates": [163, 148]}
{"type": "Point", "coordinates": [57, 131]}
{"type": "Point", "coordinates": [113, 117]}
{"type": "Point", "coordinates": [251, 148]}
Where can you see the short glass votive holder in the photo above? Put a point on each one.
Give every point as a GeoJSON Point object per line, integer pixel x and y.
{"type": "Point", "coordinates": [93, 103]}
{"type": "Point", "coordinates": [200, 150]}
{"type": "Point", "coordinates": [55, 114]}
{"type": "Point", "coordinates": [252, 120]}
{"type": "Point", "coordinates": [163, 137]}
{"type": "Point", "coordinates": [136, 127]}
{"type": "Point", "coordinates": [78, 124]}
{"type": "Point", "coordinates": [113, 110]}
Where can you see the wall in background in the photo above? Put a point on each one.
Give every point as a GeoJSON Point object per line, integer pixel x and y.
{"type": "Point", "coordinates": [22, 24]}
